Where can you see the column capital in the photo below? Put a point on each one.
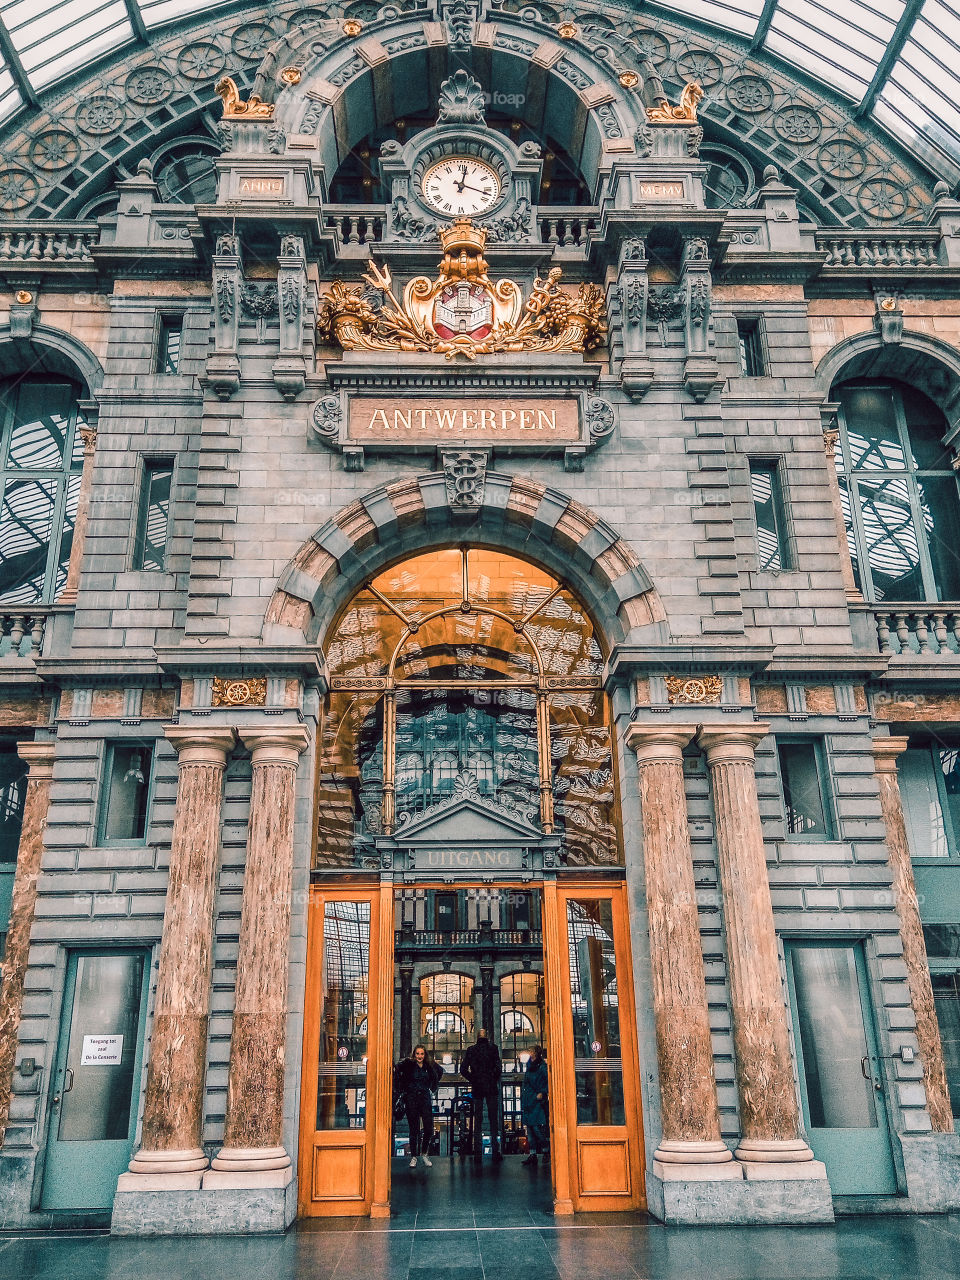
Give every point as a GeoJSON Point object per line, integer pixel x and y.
{"type": "Point", "coordinates": [659, 743]}
{"type": "Point", "coordinates": [886, 751]}
{"type": "Point", "coordinates": [39, 757]}
{"type": "Point", "coordinates": [275, 744]}
{"type": "Point", "coordinates": [196, 745]}
{"type": "Point", "coordinates": [738, 743]}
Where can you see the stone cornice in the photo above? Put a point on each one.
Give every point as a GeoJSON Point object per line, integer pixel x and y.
{"type": "Point", "coordinates": [241, 660]}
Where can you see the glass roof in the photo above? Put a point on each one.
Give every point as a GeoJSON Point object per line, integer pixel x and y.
{"type": "Point", "coordinates": [896, 61]}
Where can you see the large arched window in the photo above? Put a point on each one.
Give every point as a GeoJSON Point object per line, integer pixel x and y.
{"type": "Point", "coordinates": [899, 493]}
{"type": "Point", "coordinates": [465, 672]}
{"type": "Point", "coordinates": [41, 458]}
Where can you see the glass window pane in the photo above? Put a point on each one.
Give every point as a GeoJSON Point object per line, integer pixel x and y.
{"type": "Point", "coordinates": [871, 428]}
{"type": "Point", "coordinates": [40, 427]}
{"type": "Point", "coordinates": [852, 544]}
{"type": "Point", "coordinates": [922, 811]}
{"type": "Point", "coordinates": [833, 1038]}
{"type": "Point", "coordinates": [890, 533]}
{"type": "Point", "coordinates": [342, 1092]}
{"type": "Point", "coordinates": [772, 547]}
{"type": "Point", "coordinates": [127, 788]}
{"type": "Point", "coordinates": [26, 522]}
{"type": "Point", "coordinates": [800, 771]}
{"type": "Point", "coordinates": [154, 516]}
{"type": "Point", "coordinates": [940, 512]}
{"type": "Point", "coordinates": [102, 1049]}
{"type": "Point", "coordinates": [942, 941]}
{"type": "Point", "coordinates": [584, 800]}
{"type": "Point", "coordinates": [596, 1016]}
{"type": "Point", "coordinates": [926, 427]}
{"type": "Point", "coordinates": [70, 506]}
{"type": "Point", "coordinates": [13, 792]}
{"type": "Point", "coordinates": [946, 998]}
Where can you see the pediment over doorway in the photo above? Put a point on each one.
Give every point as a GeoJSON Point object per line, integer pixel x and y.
{"type": "Point", "coordinates": [467, 820]}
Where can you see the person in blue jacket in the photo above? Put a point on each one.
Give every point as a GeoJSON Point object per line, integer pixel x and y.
{"type": "Point", "coordinates": [533, 1103]}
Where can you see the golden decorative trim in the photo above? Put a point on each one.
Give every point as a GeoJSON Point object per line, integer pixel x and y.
{"type": "Point", "coordinates": [24, 296]}
{"type": "Point", "coordinates": [567, 30]}
{"type": "Point", "coordinates": [239, 693]}
{"type": "Point", "coordinates": [500, 320]}
{"type": "Point", "coordinates": [685, 690]}
{"type": "Point", "coordinates": [290, 75]}
{"type": "Point", "coordinates": [235, 109]}
{"type": "Point", "coordinates": [685, 113]}
{"type": "Point", "coordinates": [352, 27]}
{"type": "Point", "coordinates": [629, 79]}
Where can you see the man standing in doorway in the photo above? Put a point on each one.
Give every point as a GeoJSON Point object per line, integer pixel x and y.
{"type": "Point", "coordinates": [481, 1068]}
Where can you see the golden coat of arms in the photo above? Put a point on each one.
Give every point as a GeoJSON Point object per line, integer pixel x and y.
{"type": "Point", "coordinates": [461, 311]}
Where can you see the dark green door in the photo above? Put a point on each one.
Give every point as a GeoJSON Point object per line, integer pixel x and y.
{"type": "Point", "coordinates": [841, 1076]}
{"type": "Point", "coordinates": [93, 1106]}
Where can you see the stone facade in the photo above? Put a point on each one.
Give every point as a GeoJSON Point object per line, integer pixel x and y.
{"type": "Point", "coordinates": [276, 520]}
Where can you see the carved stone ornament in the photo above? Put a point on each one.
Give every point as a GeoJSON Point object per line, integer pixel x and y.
{"type": "Point", "coordinates": [465, 471]}
{"type": "Point", "coordinates": [600, 417]}
{"type": "Point", "coordinates": [239, 693]}
{"type": "Point", "coordinates": [235, 109]}
{"type": "Point", "coordinates": [684, 113]}
{"type": "Point", "coordinates": [461, 100]}
{"type": "Point", "coordinates": [462, 311]}
{"type": "Point", "coordinates": [327, 417]}
{"type": "Point", "coordinates": [665, 306]}
{"type": "Point", "coordinates": [699, 690]}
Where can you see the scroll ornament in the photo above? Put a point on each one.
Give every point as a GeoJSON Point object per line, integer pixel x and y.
{"type": "Point", "coordinates": [462, 311]}
{"type": "Point", "coordinates": [235, 109]}
{"type": "Point", "coordinates": [684, 113]}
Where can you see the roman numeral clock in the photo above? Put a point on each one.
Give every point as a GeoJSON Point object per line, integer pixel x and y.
{"type": "Point", "coordinates": [461, 168]}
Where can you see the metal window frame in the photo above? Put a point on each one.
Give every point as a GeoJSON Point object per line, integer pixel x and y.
{"type": "Point", "coordinates": [818, 745]}
{"type": "Point", "coordinates": [778, 505]}
{"type": "Point", "coordinates": [103, 804]}
{"type": "Point", "coordinates": [149, 463]}
{"type": "Point", "coordinates": [910, 474]}
{"type": "Point", "coordinates": [161, 328]}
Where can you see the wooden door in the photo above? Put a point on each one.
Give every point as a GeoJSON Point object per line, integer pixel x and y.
{"type": "Point", "coordinates": [347, 1094]}
{"type": "Point", "coordinates": [594, 1068]}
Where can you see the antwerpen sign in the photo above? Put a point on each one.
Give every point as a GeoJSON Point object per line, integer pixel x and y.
{"type": "Point", "coordinates": [377, 420]}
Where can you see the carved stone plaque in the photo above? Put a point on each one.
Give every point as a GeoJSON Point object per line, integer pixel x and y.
{"type": "Point", "coordinates": [381, 420]}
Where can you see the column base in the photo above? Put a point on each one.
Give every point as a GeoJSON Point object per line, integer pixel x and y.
{"type": "Point", "coordinates": [237, 1210]}
{"type": "Point", "coordinates": [713, 1201]}
{"type": "Point", "coordinates": [777, 1159]}
{"type": "Point", "coordinates": [190, 1160]}
{"type": "Point", "coordinates": [250, 1159]}
{"type": "Point", "coordinates": [675, 1153]}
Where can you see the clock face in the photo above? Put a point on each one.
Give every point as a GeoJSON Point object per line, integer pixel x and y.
{"type": "Point", "coordinates": [461, 185]}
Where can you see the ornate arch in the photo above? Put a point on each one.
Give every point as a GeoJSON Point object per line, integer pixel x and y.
{"type": "Point", "coordinates": [57, 159]}
{"type": "Point", "coordinates": [49, 350]}
{"type": "Point", "coordinates": [929, 364]}
{"type": "Point", "coordinates": [412, 516]}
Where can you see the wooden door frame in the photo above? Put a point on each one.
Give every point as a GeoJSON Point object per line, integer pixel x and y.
{"type": "Point", "coordinates": [563, 1092]}
{"type": "Point", "coordinates": [375, 1200]}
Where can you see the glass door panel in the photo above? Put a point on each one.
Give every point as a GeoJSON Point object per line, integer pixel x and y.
{"type": "Point", "coordinates": [92, 1111]}
{"type": "Point", "coordinates": [841, 1072]}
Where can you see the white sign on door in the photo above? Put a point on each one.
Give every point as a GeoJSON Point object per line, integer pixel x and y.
{"type": "Point", "coordinates": [101, 1051]}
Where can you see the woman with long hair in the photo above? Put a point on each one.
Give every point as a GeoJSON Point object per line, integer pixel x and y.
{"type": "Point", "coordinates": [418, 1078]}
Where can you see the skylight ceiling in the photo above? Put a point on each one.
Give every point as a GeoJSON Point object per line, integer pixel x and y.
{"type": "Point", "coordinates": [897, 61]}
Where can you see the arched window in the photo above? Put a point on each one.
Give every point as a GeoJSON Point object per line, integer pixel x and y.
{"type": "Point", "coordinates": [522, 1021]}
{"type": "Point", "coordinates": [899, 493]}
{"type": "Point", "coordinates": [465, 673]}
{"type": "Point", "coordinates": [446, 1015]}
{"type": "Point", "coordinates": [41, 458]}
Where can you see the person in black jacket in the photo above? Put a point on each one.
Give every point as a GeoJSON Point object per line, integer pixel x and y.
{"type": "Point", "coordinates": [481, 1068]}
{"type": "Point", "coordinates": [417, 1080]}
{"type": "Point", "coordinates": [533, 1103]}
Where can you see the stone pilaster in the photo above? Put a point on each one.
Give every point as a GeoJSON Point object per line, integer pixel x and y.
{"type": "Point", "coordinates": [885, 752]}
{"type": "Point", "coordinates": [39, 757]}
{"type": "Point", "coordinates": [69, 593]}
{"type": "Point", "coordinates": [253, 1152]}
{"type": "Point", "coordinates": [771, 1146]}
{"type": "Point", "coordinates": [170, 1155]}
{"type": "Point", "coordinates": [831, 438]}
{"type": "Point", "coordinates": [691, 1146]}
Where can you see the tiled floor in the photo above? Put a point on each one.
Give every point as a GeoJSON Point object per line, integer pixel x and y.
{"type": "Point", "coordinates": [452, 1223]}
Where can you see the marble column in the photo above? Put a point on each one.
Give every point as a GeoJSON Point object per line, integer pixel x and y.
{"type": "Point", "coordinates": [39, 758]}
{"type": "Point", "coordinates": [691, 1146]}
{"type": "Point", "coordinates": [69, 593]}
{"type": "Point", "coordinates": [171, 1156]}
{"type": "Point", "coordinates": [253, 1153]}
{"type": "Point", "coordinates": [770, 1146]}
{"type": "Point", "coordinates": [885, 752]}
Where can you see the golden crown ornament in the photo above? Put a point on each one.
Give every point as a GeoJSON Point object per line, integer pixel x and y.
{"type": "Point", "coordinates": [461, 311]}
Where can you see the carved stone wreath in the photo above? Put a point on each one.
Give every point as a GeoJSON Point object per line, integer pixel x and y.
{"type": "Point", "coordinates": [699, 690]}
{"type": "Point", "coordinates": [239, 693]}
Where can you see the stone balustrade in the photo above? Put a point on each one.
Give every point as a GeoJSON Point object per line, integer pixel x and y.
{"type": "Point", "coordinates": [21, 634]}
{"type": "Point", "coordinates": [569, 228]}
{"type": "Point", "coordinates": [870, 249]}
{"type": "Point", "coordinates": [356, 226]}
{"type": "Point", "coordinates": [919, 631]}
{"type": "Point", "coordinates": [66, 243]}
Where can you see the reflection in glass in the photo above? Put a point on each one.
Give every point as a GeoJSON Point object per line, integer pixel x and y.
{"type": "Point", "coordinates": [342, 1089]}
{"type": "Point", "coordinates": [13, 793]}
{"type": "Point", "coordinates": [446, 1017]}
{"type": "Point", "coordinates": [833, 1038]}
{"type": "Point", "coordinates": [596, 1017]}
{"type": "Point", "coordinates": [451, 675]}
{"type": "Point", "coordinates": [946, 998]}
{"type": "Point", "coordinates": [41, 458]}
{"type": "Point", "coordinates": [106, 1003]}
{"type": "Point", "coordinates": [124, 816]}
{"type": "Point", "coordinates": [522, 1020]}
